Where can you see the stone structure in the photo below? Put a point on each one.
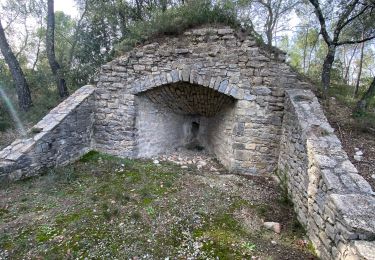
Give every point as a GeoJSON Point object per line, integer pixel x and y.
{"type": "Point", "coordinates": [214, 89]}
{"type": "Point", "coordinates": [333, 202]}
{"type": "Point", "coordinates": [226, 84]}
{"type": "Point", "coordinates": [60, 137]}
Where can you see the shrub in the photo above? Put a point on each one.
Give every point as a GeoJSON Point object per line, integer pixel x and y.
{"type": "Point", "coordinates": [176, 20]}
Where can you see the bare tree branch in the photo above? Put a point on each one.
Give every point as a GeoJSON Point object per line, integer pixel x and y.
{"type": "Point", "coordinates": [354, 17]}
{"type": "Point", "coordinates": [356, 41]}
{"type": "Point", "coordinates": [323, 28]}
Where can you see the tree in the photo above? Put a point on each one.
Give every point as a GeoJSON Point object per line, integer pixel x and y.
{"type": "Point", "coordinates": [348, 63]}
{"type": "Point", "coordinates": [50, 45]}
{"type": "Point", "coordinates": [359, 69]}
{"type": "Point", "coordinates": [23, 91]}
{"type": "Point", "coordinates": [349, 13]}
{"type": "Point", "coordinates": [363, 103]}
{"type": "Point", "coordinates": [275, 11]}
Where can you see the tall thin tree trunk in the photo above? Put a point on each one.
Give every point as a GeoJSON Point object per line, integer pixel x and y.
{"type": "Point", "coordinates": [310, 54]}
{"type": "Point", "coordinates": [344, 66]}
{"type": "Point", "coordinates": [75, 37]}
{"type": "Point", "coordinates": [359, 69]}
{"type": "Point", "coordinates": [326, 71]}
{"type": "Point", "coordinates": [37, 54]}
{"type": "Point", "coordinates": [346, 76]}
{"type": "Point", "coordinates": [305, 51]}
{"type": "Point", "coordinates": [23, 91]}
{"type": "Point", "coordinates": [50, 46]}
{"type": "Point", "coordinates": [363, 103]}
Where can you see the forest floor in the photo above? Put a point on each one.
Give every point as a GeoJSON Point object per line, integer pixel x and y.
{"type": "Point", "coordinates": [104, 207]}
{"type": "Point", "coordinates": [354, 133]}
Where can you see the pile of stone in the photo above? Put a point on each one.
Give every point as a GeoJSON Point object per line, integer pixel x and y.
{"type": "Point", "coordinates": [358, 156]}
{"type": "Point", "coordinates": [199, 160]}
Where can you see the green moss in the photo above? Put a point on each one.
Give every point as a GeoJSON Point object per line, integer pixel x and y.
{"type": "Point", "coordinates": [220, 245]}
{"type": "Point", "coordinates": [3, 212]}
{"type": "Point", "coordinates": [238, 203]}
{"type": "Point", "coordinates": [147, 201]}
{"type": "Point", "coordinates": [6, 242]}
{"type": "Point", "coordinates": [90, 156]}
{"type": "Point", "coordinates": [91, 213]}
{"type": "Point", "coordinates": [71, 217]}
{"type": "Point", "coordinates": [311, 248]}
{"type": "Point", "coordinates": [19, 242]}
{"type": "Point", "coordinates": [223, 235]}
{"type": "Point", "coordinates": [133, 177]}
{"type": "Point", "coordinates": [45, 233]}
{"type": "Point", "coordinates": [226, 221]}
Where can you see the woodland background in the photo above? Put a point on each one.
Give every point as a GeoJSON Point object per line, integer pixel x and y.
{"type": "Point", "coordinates": [46, 55]}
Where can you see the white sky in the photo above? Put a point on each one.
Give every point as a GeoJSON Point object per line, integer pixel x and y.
{"type": "Point", "coordinates": [67, 6]}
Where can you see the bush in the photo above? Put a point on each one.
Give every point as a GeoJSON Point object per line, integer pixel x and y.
{"type": "Point", "coordinates": [176, 20]}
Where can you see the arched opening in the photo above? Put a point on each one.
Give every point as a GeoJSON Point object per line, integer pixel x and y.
{"type": "Point", "coordinates": [184, 115]}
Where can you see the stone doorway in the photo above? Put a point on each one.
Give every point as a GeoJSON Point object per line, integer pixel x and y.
{"type": "Point", "coordinates": [184, 116]}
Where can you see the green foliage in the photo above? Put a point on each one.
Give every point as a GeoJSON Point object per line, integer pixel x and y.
{"type": "Point", "coordinates": [45, 233]}
{"type": "Point", "coordinates": [90, 156]}
{"type": "Point", "coordinates": [282, 176]}
{"type": "Point", "coordinates": [249, 246]}
{"type": "Point", "coordinates": [177, 19]}
{"type": "Point", "coordinates": [307, 52]}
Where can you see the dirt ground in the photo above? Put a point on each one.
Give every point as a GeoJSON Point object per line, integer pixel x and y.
{"type": "Point", "coordinates": [103, 207]}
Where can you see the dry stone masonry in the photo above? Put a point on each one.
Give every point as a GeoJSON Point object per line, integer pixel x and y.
{"type": "Point", "coordinates": [214, 89]}
{"type": "Point", "coordinates": [230, 87]}
{"type": "Point", "coordinates": [60, 137]}
{"type": "Point", "coordinates": [333, 202]}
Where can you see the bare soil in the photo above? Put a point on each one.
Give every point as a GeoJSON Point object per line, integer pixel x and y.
{"type": "Point", "coordinates": [103, 207]}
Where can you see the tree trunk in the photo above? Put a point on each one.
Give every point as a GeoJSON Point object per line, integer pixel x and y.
{"type": "Point", "coordinates": [23, 91]}
{"type": "Point", "coordinates": [346, 76]}
{"type": "Point", "coordinates": [359, 69]}
{"type": "Point", "coordinates": [75, 37]}
{"type": "Point", "coordinates": [164, 5]}
{"type": "Point", "coordinates": [363, 103]}
{"type": "Point", "coordinates": [50, 46]}
{"type": "Point", "coordinates": [305, 51]}
{"type": "Point", "coordinates": [326, 71]}
{"type": "Point", "coordinates": [310, 54]}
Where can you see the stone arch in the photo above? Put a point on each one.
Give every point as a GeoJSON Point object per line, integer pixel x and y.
{"type": "Point", "coordinates": [177, 114]}
{"type": "Point", "coordinates": [188, 75]}
{"type": "Point", "coordinates": [212, 58]}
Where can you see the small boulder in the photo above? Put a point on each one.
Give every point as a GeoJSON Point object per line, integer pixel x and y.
{"type": "Point", "coordinates": [275, 226]}
{"type": "Point", "coordinates": [202, 163]}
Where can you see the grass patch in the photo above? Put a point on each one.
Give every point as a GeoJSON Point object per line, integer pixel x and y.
{"type": "Point", "coordinates": [45, 233]}
{"type": "Point", "coordinates": [91, 156]}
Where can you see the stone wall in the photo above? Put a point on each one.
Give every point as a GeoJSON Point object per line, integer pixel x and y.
{"type": "Point", "coordinates": [333, 202]}
{"type": "Point", "coordinates": [165, 117]}
{"type": "Point", "coordinates": [245, 105]}
{"type": "Point", "coordinates": [159, 129]}
{"type": "Point", "coordinates": [60, 137]}
{"type": "Point", "coordinates": [218, 59]}
{"type": "Point", "coordinates": [219, 135]}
